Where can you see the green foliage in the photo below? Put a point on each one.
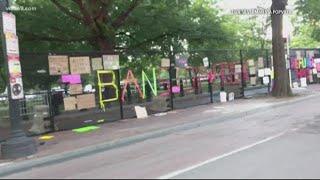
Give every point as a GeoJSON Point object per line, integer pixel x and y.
{"type": "Point", "coordinates": [143, 31]}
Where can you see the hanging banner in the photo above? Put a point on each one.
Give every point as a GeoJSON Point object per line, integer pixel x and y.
{"type": "Point", "coordinates": [111, 62]}
{"type": "Point", "coordinates": [80, 65]}
{"type": "Point", "coordinates": [58, 65]}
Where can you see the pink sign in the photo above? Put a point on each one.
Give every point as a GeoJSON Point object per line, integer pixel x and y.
{"type": "Point", "coordinates": [175, 89]}
{"type": "Point", "coordinates": [71, 79]}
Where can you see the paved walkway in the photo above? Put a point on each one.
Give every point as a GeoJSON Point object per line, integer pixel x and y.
{"type": "Point", "coordinates": [65, 141]}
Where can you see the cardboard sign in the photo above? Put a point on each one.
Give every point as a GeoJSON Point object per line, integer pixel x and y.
{"type": "Point", "coordinates": [111, 62]}
{"type": "Point", "coordinates": [71, 79]}
{"type": "Point", "coordinates": [69, 103]}
{"type": "Point", "coordinates": [16, 88]}
{"type": "Point", "coordinates": [260, 62]}
{"type": "Point", "coordinates": [266, 80]}
{"type": "Point", "coordinates": [80, 65]}
{"type": "Point", "coordinates": [141, 112]}
{"type": "Point", "coordinates": [165, 62]}
{"type": "Point", "coordinates": [253, 80]}
{"type": "Point", "coordinates": [86, 101]}
{"type": "Point", "coordinates": [58, 65]}
{"type": "Point", "coordinates": [261, 73]}
{"type": "Point", "coordinates": [96, 64]}
{"type": "Point", "coordinates": [75, 89]}
{"type": "Point", "coordinates": [251, 62]}
{"type": "Point", "coordinates": [252, 71]}
{"type": "Point", "coordinates": [9, 22]}
{"type": "Point", "coordinates": [12, 43]}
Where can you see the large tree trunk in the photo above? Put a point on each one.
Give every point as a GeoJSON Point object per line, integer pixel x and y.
{"type": "Point", "coordinates": [281, 87]}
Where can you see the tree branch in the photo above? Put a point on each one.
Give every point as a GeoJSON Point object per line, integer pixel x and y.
{"type": "Point", "coordinates": [29, 36]}
{"type": "Point", "coordinates": [124, 15]}
{"type": "Point", "coordinates": [66, 10]}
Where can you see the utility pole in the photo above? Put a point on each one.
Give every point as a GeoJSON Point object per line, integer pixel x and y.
{"type": "Point", "coordinates": [18, 144]}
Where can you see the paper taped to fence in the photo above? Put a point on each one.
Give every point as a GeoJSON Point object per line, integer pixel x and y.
{"type": "Point", "coordinates": [250, 62]}
{"type": "Point", "coordinates": [58, 65]}
{"type": "Point", "coordinates": [96, 64]}
{"type": "Point", "coordinates": [231, 96]}
{"type": "Point", "coordinates": [266, 80]}
{"type": "Point", "coordinates": [75, 89]}
{"type": "Point", "coordinates": [80, 65]}
{"type": "Point", "coordinates": [261, 72]}
{"type": "Point", "coordinates": [111, 62]}
{"type": "Point", "coordinates": [71, 79]}
{"type": "Point", "coordinates": [267, 71]}
{"type": "Point", "coordinates": [86, 101]}
{"type": "Point", "coordinates": [260, 62]}
{"type": "Point", "coordinates": [237, 68]}
{"type": "Point", "coordinates": [252, 71]}
{"type": "Point", "coordinates": [253, 80]}
{"type": "Point", "coordinates": [165, 62]}
{"type": "Point", "coordinates": [69, 103]}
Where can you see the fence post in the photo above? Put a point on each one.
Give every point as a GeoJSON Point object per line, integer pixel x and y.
{"type": "Point", "coordinates": [170, 78]}
{"type": "Point", "coordinates": [119, 93]}
{"type": "Point", "coordinates": [210, 83]}
{"type": "Point", "coordinates": [243, 83]}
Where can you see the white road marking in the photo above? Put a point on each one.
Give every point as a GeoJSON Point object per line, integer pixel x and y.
{"type": "Point", "coordinates": [176, 173]}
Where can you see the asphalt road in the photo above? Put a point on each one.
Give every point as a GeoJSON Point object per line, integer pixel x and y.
{"type": "Point", "coordinates": [279, 142]}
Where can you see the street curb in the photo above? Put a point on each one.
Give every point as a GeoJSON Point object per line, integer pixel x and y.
{"type": "Point", "coordinates": [56, 158]}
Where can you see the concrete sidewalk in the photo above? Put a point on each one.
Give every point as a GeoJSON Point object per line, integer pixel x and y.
{"type": "Point", "coordinates": [67, 144]}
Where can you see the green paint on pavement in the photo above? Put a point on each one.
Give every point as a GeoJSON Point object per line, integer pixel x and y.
{"type": "Point", "coordinates": [85, 129]}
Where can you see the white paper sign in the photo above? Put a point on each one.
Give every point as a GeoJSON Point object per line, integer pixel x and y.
{"type": "Point", "coordinates": [253, 80]}
{"type": "Point", "coordinates": [231, 96]}
{"type": "Point", "coordinates": [141, 112]}
{"type": "Point", "coordinates": [205, 62]}
{"type": "Point", "coordinates": [310, 78]}
{"type": "Point", "coordinates": [9, 22]}
{"type": "Point", "coordinates": [317, 60]}
{"type": "Point", "coordinates": [318, 75]}
{"type": "Point", "coordinates": [295, 85]}
{"type": "Point", "coordinates": [303, 82]}
{"type": "Point", "coordinates": [314, 71]}
{"type": "Point", "coordinates": [267, 71]}
{"type": "Point", "coordinates": [237, 68]}
{"type": "Point", "coordinates": [261, 72]}
{"type": "Point", "coordinates": [223, 96]}
{"type": "Point", "coordinates": [252, 71]}
{"type": "Point", "coordinates": [266, 80]}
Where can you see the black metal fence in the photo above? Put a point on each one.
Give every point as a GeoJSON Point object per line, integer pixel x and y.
{"type": "Point", "coordinates": [179, 86]}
